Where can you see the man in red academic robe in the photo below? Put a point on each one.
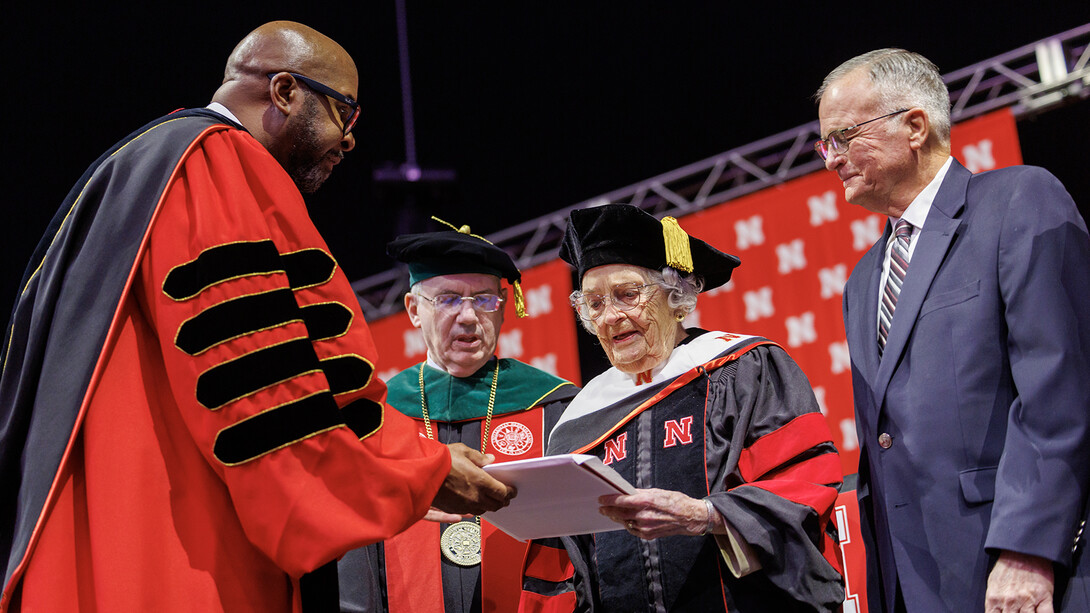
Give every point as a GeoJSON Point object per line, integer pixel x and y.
{"type": "Point", "coordinates": [188, 414]}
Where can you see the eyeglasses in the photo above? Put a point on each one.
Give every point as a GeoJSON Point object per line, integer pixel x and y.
{"type": "Point", "coordinates": [837, 141]}
{"type": "Point", "coordinates": [625, 297]}
{"type": "Point", "coordinates": [452, 303]}
{"type": "Point", "coordinates": [347, 122]}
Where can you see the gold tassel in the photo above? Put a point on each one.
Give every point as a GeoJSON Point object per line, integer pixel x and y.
{"type": "Point", "coordinates": [678, 255]}
{"type": "Point", "coordinates": [520, 300]}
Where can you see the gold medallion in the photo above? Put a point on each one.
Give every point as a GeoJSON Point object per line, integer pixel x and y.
{"type": "Point", "coordinates": [461, 543]}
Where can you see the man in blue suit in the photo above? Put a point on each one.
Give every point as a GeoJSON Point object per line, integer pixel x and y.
{"type": "Point", "coordinates": [969, 333]}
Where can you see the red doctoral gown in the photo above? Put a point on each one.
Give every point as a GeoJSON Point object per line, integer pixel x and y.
{"type": "Point", "coordinates": [188, 393]}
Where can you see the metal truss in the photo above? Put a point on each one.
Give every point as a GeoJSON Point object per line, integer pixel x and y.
{"type": "Point", "coordinates": [1031, 79]}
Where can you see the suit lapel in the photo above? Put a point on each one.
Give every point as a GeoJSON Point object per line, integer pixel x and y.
{"type": "Point", "coordinates": [863, 333]}
{"type": "Point", "coordinates": [931, 247]}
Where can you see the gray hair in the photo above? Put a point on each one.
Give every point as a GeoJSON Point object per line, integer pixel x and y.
{"type": "Point", "coordinates": [681, 290]}
{"type": "Point", "coordinates": [901, 79]}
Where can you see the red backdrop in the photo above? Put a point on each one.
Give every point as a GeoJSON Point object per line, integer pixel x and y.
{"type": "Point", "coordinates": [798, 243]}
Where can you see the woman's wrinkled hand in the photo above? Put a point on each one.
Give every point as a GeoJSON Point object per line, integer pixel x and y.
{"type": "Point", "coordinates": [654, 513]}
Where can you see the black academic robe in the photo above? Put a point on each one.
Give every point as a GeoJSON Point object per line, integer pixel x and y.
{"type": "Point", "coordinates": [728, 418]}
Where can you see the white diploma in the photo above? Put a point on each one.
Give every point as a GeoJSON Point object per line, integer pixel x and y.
{"type": "Point", "coordinates": [557, 496]}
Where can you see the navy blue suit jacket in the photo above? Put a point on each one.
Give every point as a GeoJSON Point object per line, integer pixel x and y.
{"type": "Point", "coordinates": [983, 389]}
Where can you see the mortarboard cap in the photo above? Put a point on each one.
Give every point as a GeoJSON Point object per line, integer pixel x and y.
{"type": "Point", "coordinates": [457, 251]}
{"type": "Point", "coordinates": [625, 234]}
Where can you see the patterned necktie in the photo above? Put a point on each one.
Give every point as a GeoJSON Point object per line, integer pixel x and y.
{"type": "Point", "coordinates": [898, 266]}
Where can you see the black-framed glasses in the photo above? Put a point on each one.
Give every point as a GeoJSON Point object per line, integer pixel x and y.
{"type": "Point", "coordinates": [347, 122]}
{"type": "Point", "coordinates": [837, 140]}
{"type": "Point", "coordinates": [624, 297]}
{"type": "Point", "coordinates": [452, 303]}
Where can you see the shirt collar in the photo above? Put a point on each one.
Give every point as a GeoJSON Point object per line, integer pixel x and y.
{"type": "Point", "coordinates": [222, 110]}
{"type": "Point", "coordinates": [917, 211]}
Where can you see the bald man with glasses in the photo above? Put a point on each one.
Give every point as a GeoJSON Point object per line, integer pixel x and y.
{"type": "Point", "coordinates": [188, 415]}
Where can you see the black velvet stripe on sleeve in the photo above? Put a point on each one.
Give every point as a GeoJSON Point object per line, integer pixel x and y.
{"type": "Point", "coordinates": [347, 373]}
{"type": "Point", "coordinates": [235, 318]}
{"type": "Point", "coordinates": [255, 371]}
{"type": "Point", "coordinates": [276, 428]}
{"type": "Point", "coordinates": [326, 320]}
{"type": "Point", "coordinates": [308, 267]}
{"type": "Point", "coordinates": [219, 264]}
{"type": "Point", "coordinates": [363, 416]}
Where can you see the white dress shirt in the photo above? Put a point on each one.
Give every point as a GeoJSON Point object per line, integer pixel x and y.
{"type": "Point", "coordinates": [915, 214]}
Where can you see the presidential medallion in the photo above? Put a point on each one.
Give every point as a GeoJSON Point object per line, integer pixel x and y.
{"type": "Point", "coordinates": [461, 543]}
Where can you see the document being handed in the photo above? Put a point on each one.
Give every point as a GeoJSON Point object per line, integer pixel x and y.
{"type": "Point", "coordinates": [557, 496]}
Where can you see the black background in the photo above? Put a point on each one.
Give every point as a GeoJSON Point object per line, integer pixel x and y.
{"type": "Point", "coordinates": [536, 106]}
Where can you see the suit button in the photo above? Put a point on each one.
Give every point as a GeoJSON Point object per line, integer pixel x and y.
{"type": "Point", "coordinates": [885, 440]}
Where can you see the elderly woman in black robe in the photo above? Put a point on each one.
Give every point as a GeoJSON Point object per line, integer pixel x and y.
{"type": "Point", "coordinates": [734, 465]}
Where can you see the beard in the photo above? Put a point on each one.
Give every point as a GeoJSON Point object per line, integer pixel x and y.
{"type": "Point", "coordinates": [305, 160]}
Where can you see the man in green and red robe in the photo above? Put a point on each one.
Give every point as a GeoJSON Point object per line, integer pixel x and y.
{"type": "Point", "coordinates": [462, 393]}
